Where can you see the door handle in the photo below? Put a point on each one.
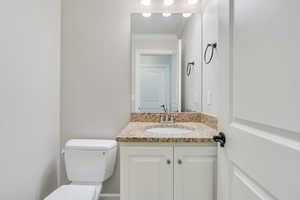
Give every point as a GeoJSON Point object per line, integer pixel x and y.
{"type": "Point", "coordinates": [221, 138]}
{"type": "Point", "coordinates": [168, 161]}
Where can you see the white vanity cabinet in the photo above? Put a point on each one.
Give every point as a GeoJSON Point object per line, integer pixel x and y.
{"type": "Point", "coordinates": [146, 173]}
{"type": "Point", "coordinates": [168, 171]}
{"type": "Point", "coordinates": [195, 172]}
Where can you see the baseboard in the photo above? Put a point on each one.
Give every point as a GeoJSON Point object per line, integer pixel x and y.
{"type": "Point", "coordinates": [106, 196]}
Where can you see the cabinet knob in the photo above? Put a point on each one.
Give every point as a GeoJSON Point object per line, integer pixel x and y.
{"type": "Point", "coordinates": [168, 161]}
{"type": "Point", "coordinates": [179, 161]}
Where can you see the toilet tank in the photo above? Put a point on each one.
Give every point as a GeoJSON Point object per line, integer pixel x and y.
{"type": "Point", "coordinates": [90, 161]}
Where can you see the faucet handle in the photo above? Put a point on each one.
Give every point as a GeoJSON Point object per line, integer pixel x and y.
{"type": "Point", "coordinates": [173, 118]}
{"type": "Point", "coordinates": [161, 118]}
{"type": "Point", "coordinates": [166, 117]}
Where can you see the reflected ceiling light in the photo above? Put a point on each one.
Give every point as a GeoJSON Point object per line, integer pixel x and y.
{"type": "Point", "coordinates": [187, 14]}
{"type": "Point", "coordinates": [192, 2]}
{"type": "Point", "coordinates": [168, 2]}
{"type": "Point", "coordinates": [147, 14]}
{"type": "Point", "coordinates": [146, 2]}
{"type": "Point", "coordinates": [166, 14]}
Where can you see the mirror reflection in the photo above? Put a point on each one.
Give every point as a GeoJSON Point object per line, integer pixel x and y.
{"type": "Point", "coordinates": [166, 62]}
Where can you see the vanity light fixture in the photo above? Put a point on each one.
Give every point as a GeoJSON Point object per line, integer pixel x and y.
{"type": "Point", "coordinates": [147, 14]}
{"type": "Point", "coordinates": [146, 2]}
{"type": "Point", "coordinates": [186, 14]}
{"type": "Point", "coordinates": [166, 14]}
{"type": "Point", "coordinates": [168, 2]}
{"type": "Point", "coordinates": [192, 2]}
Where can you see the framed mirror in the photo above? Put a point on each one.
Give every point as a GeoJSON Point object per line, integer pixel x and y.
{"type": "Point", "coordinates": [166, 62]}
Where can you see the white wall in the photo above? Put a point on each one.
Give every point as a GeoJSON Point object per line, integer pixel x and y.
{"type": "Point", "coordinates": [203, 77]}
{"type": "Point", "coordinates": [96, 71]}
{"type": "Point", "coordinates": [192, 52]}
{"type": "Point", "coordinates": [29, 101]}
{"type": "Point", "coordinates": [210, 71]}
{"type": "Point", "coordinates": [155, 41]}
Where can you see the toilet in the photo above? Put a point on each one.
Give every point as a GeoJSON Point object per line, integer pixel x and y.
{"type": "Point", "coordinates": [88, 164]}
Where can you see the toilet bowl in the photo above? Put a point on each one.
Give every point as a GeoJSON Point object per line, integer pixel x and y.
{"type": "Point", "coordinates": [75, 192]}
{"type": "Point", "coordinates": [88, 164]}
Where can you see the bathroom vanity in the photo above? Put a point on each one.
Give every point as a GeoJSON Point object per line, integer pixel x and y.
{"type": "Point", "coordinates": [167, 166]}
{"type": "Point", "coordinates": [167, 152]}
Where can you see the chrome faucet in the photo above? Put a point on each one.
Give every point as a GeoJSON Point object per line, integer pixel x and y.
{"type": "Point", "coordinates": [167, 118]}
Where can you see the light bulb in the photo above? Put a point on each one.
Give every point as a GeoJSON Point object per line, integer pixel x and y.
{"type": "Point", "coordinates": [192, 2]}
{"type": "Point", "coordinates": [166, 14]}
{"type": "Point", "coordinates": [168, 2]}
{"type": "Point", "coordinates": [187, 14]}
{"type": "Point", "coordinates": [147, 14]}
{"type": "Point", "coordinates": [146, 2]}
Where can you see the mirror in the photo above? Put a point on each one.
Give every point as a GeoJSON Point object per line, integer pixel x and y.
{"type": "Point", "coordinates": [166, 62]}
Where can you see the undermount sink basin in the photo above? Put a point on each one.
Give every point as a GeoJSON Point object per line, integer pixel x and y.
{"type": "Point", "coordinates": [169, 130]}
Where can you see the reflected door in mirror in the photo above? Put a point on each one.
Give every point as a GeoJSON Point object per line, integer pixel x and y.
{"type": "Point", "coordinates": [153, 81]}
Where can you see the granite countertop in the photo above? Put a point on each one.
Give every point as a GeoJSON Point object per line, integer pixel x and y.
{"type": "Point", "coordinates": [136, 132]}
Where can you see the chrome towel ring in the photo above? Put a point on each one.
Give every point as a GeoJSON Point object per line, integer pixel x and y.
{"type": "Point", "coordinates": [189, 68]}
{"type": "Point", "coordinates": [213, 47]}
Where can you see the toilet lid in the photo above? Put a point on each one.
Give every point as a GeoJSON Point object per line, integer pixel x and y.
{"type": "Point", "coordinates": [88, 144]}
{"type": "Point", "coordinates": [73, 192]}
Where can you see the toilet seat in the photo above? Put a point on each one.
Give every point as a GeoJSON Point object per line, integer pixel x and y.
{"type": "Point", "coordinates": [74, 192]}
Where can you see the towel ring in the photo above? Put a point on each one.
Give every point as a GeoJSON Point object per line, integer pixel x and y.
{"type": "Point", "coordinates": [213, 47]}
{"type": "Point", "coordinates": [189, 68]}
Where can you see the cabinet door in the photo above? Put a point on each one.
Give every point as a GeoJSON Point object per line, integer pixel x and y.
{"type": "Point", "coordinates": [194, 172]}
{"type": "Point", "coordinates": [146, 173]}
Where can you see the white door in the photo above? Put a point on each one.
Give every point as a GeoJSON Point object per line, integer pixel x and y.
{"type": "Point", "coordinates": [154, 87]}
{"type": "Point", "coordinates": [147, 173]}
{"type": "Point", "coordinates": [258, 50]}
{"type": "Point", "coordinates": [194, 172]}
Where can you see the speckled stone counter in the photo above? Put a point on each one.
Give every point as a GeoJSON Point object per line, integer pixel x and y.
{"type": "Point", "coordinates": [199, 117]}
{"type": "Point", "coordinates": [136, 132]}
